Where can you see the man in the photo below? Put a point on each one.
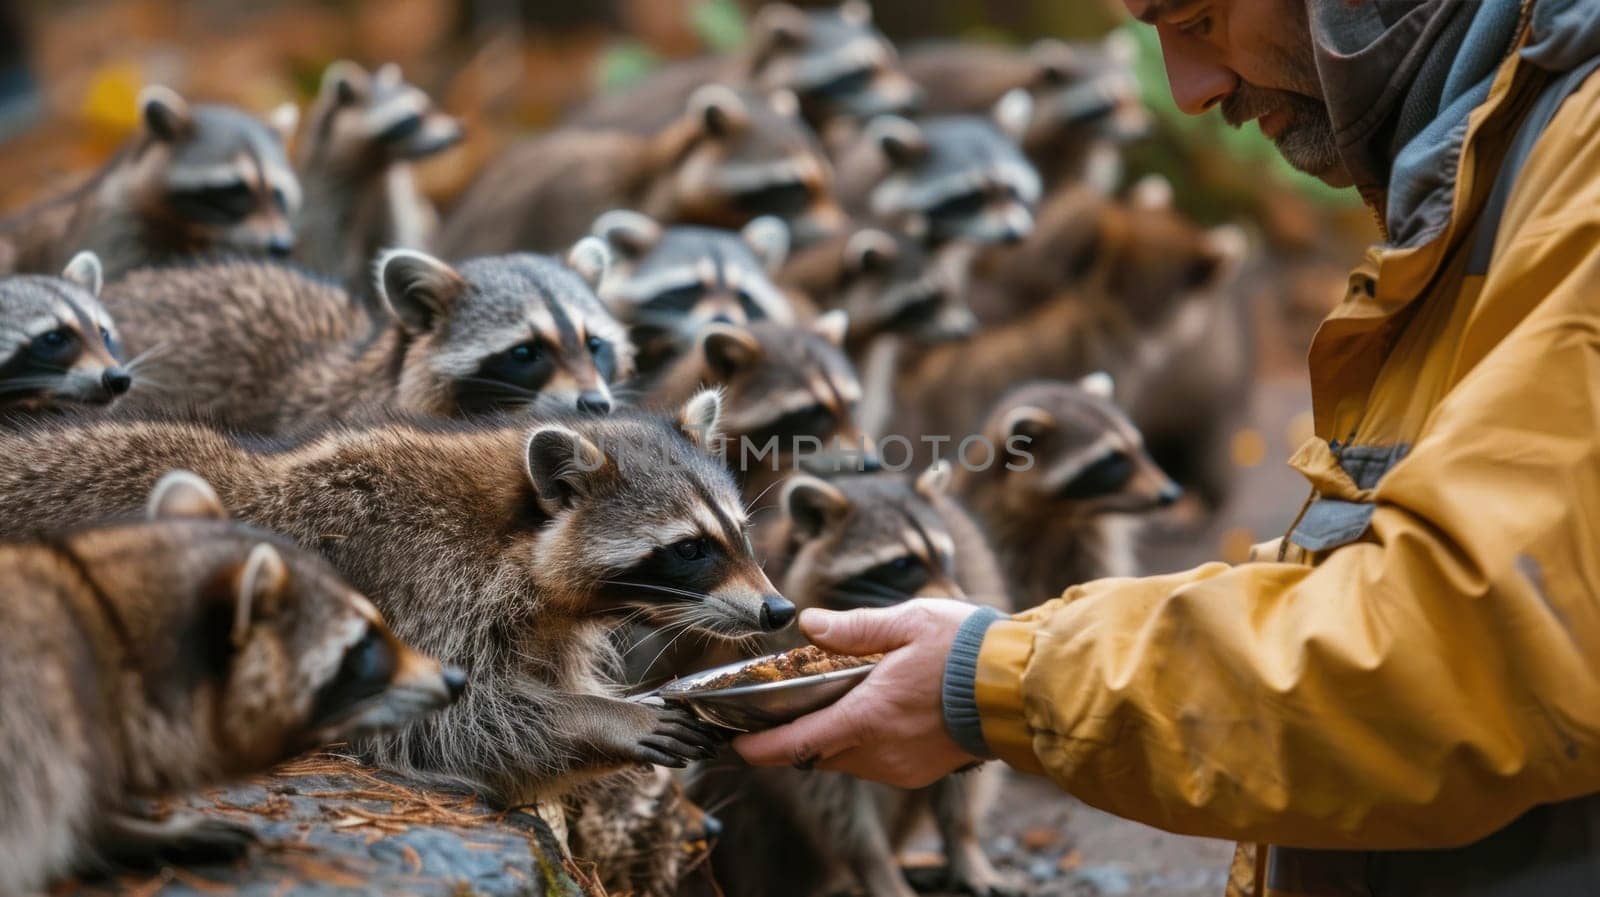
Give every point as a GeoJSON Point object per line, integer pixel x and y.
{"type": "Point", "coordinates": [1417, 665]}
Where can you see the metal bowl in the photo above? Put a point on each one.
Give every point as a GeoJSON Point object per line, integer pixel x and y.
{"type": "Point", "coordinates": [751, 708]}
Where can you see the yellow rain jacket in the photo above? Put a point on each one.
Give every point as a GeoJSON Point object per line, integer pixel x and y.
{"type": "Point", "coordinates": [1420, 666]}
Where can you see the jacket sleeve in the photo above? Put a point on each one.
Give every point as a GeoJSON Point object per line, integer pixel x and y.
{"type": "Point", "coordinates": [1420, 688]}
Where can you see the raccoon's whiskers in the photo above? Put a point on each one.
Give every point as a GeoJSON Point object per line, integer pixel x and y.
{"type": "Point", "coordinates": [651, 587]}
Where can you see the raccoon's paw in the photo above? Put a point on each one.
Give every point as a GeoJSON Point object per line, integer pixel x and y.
{"type": "Point", "coordinates": [135, 842]}
{"type": "Point", "coordinates": [679, 737]}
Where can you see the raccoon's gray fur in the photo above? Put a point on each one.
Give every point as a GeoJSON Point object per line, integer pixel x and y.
{"type": "Point", "coordinates": [728, 159]}
{"type": "Point", "coordinates": [195, 179]}
{"type": "Point", "coordinates": [58, 345]}
{"type": "Point", "coordinates": [266, 348]}
{"type": "Point", "coordinates": [1082, 99]}
{"type": "Point", "coordinates": [1068, 469]}
{"type": "Point", "coordinates": [354, 159]}
{"type": "Point", "coordinates": [852, 542]}
{"type": "Point", "coordinates": [507, 550]}
{"type": "Point", "coordinates": [667, 283]}
{"type": "Point", "coordinates": [789, 397]}
{"type": "Point", "coordinates": [143, 660]}
{"type": "Point", "coordinates": [836, 63]}
{"type": "Point", "coordinates": [641, 832]}
{"type": "Point", "coordinates": [940, 180]}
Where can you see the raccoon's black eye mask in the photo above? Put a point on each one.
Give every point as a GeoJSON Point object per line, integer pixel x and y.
{"type": "Point", "coordinates": [788, 199]}
{"type": "Point", "coordinates": [888, 583]}
{"type": "Point", "coordinates": [815, 420]}
{"type": "Point", "coordinates": [844, 85]}
{"type": "Point", "coordinates": [404, 129]}
{"type": "Point", "coordinates": [221, 204]}
{"type": "Point", "coordinates": [511, 377]}
{"type": "Point", "coordinates": [680, 573]}
{"type": "Point", "coordinates": [55, 349]}
{"type": "Point", "coordinates": [1105, 476]}
{"type": "Point", "coordinates": [365, 671]}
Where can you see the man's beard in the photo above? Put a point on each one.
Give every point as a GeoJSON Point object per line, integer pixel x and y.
{"type": "Point", "coordinates": [1307, 140]}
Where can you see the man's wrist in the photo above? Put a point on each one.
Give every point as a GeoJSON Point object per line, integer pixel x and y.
{"type": "Point", "coordinates": [958, 693]}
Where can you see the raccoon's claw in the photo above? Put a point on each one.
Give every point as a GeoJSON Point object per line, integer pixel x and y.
{"type": "Point", "coordinates": [680, 738]}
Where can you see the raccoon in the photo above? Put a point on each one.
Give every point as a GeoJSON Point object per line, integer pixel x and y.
{"type": "Point", "coordinates": [1073, 105]}
{"type": "Point", "coordinates": [730, 158]}
{"type": "Point", "coordinates": [940, 180]}
{"type": "Point", "coordinates": [194, 179]}
{"type": "Point", "coordinates": [851, 542]}
{"type": "Point", "coordinates": [144, 659]}
{"type": "Point", "coordinates": [1068, 469]}
{"type": "Point", "coordinates": [643, 834]}
{"type": "Point", "coordinates": [58, 346]}
{"type": "Point", "coordinates": [266, 348]}
{"type": "Point", "coordinates": [666, 283]}
{"type": "Point", "coordinates": [507, 550]}
{"type": "Point", "coordinates": [840, 68]}
{"type": "Point", "coordinates": [364, 131]}
{"type": "Point", "coordinates": [789, 397]}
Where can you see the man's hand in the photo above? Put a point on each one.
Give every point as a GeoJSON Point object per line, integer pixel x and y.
{"type": "Point", "coordinates": [890, 728]}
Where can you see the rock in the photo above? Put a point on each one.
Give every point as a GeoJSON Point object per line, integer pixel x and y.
{"type": "Point", "coordinates": [330, 828]}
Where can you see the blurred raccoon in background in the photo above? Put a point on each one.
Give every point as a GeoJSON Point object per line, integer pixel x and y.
{"type": "Point", "coordinates": [266, 348]}
{"type": "Point", "coordinates": [731, 157]}
{"type": "Point", "coordinates": [844, 543]}
{"type": "Point", "coordinates": [354, 158]}
{"type": "Point", "coordinates": [840, 68]}
{"type": "Point", "coordinates": [1072, 105]}
{"type": "Point", "coordinates": [194, 179]}
{"type": "Point", "coordinates": [1064, 471]}
{"type": "Point", "coordinates": [141, 660]}
{"type": "Point", "coordinates": [58, 345]}
{"type": "Point", "coordinates": [957, 179]}
{"type": "Point", "coordinates": [667, 283]}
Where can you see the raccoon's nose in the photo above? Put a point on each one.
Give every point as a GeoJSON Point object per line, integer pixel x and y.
{"type": "Point", "coordinates": [280, 247]}
{"type": "Point", "coordinates": [455, 681]}
{"type": "Point", "coordinates": [116, 381]}
{"type": "Point", "coordinates": [594, 403]}
{"type": "Point", "coordinates": [776, 612]}
{"type": "Point", "coordinates": [722, 317]}
{"type": "Point", "coordinates": [1169, 495]}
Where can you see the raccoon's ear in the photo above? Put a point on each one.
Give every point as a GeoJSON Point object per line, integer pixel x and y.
{"type": "Point", "coordinates": [1052, 59]}
{"type": "Point", "coordinates": [590, 258]}
{"type": "Point", "coordinates": [898, 138]}
{"type": "Point", "coordinates": [418, 288]}
{"type": "Point", "coordinates": [341, 82]}
{"type": "Point", "coordinates": [1026, 420]}
{"type": "Point", "coordinates": [259, 588]}
{"type": "Point", "coordinates": [785, 103]}
{"type": "Point", "coordinates": [629, 233]}
{"type": "Point", "coordinates": [778, 25]}
{"type": "Point", "coordinates": [181, 495]}
{"type": "Point", "coordinates": [562, 466]}
{"type": "Point", "coordinates": [1153, 193]}
{"type": "Point", "coordinates": [1099, 384]}
{"type": "Point", "coordinates": [832, 326]}
{"type": "Point", "coordinates": [388, 74]}
{"type": "Point", "coordinates": [812, 505]}
{"type": "Point", "coordinates": [283, 121]}
{"type": "Point", "coordinates": [719, 109]}
{"type": "Point", "coordinates": [768, 238]}
{"type": "Point", "coordinates": [1121, 46]}
{"type": "Point", "coordinates": [869, 251]}
{"type": "Point", "coordinates": [1224, 251]}
{"type": "Point", "coordinates": [727, 350]}
{"type": "Point", "coordinates": [166, 116]}
{"type": "Point", "coordinates": [1013, 112]}
{"type": "Point", "coordinates": [700, 417]}
{"type": "Point", "coordinates": [856, 12]}
{"type": "Point", "coordinates": [84, 270]}
{"type": "Point", "coordinates": [935, 481]}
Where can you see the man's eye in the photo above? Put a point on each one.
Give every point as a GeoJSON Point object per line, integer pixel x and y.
{"type": "Point", "coordinates": [1199, 26]}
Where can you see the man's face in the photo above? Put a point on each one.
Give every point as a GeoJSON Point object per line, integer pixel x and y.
{"type": "Point", "coordinates": [1254, 59]}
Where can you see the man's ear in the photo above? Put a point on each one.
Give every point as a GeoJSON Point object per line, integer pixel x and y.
{"type": "Point", "coordinates": [727, 350]}
{"type": "Point", "coordinates": [165, 114]}
{"type": "Point", "coordinates": [899, 139]}
{"type": "Point", "coordinates": [719, 109]}
{"type": "Point", "coordinates": [700, 417]}
{"type": "Point", "coordinates": [1099, 384]}
{"type": "Point", "coordinates": [259, 589]}
{"type": "Point", "coordinates": [591, 259]}
{"type": "Point", "coordinates": [627, 233]}
{"type": "Point", "coordinates": [768, 238]}
{"type": "Point", "coordinates": [85, 272]}
{"type": "Point", "coordinates": [935, 481]}
{"type": "Point", "coordinates": [1223, 252]}
{"type": "Point", "coordinates": [812, 505]}
{"type": "Point", "coordinates": [563, 466]}
{"type": "Point", "coordinates": [832, 326]}
{"type": "Point", "coordinates": [417, 288]}
{"type": "Point", "coordinates": [181, 495]}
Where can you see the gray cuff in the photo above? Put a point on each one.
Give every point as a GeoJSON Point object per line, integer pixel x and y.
{"type": "Point", "coordinates": [960, 679]}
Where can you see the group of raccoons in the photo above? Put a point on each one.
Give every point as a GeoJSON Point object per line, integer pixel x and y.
{"type": "Point", "coordinates": [508, 430]}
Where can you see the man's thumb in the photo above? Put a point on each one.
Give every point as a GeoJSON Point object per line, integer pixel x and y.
{"type": "Point", "coordinates": [855, 632]}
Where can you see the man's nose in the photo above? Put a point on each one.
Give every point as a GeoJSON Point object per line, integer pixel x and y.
{"type": "Point", "coordinates": [1197, 82]}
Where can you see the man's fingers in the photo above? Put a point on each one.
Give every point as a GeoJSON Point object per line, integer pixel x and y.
{"type": "Point", "coordinates": [807, 740]}
{"type": "Point", "coordinates": [871, 631]}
